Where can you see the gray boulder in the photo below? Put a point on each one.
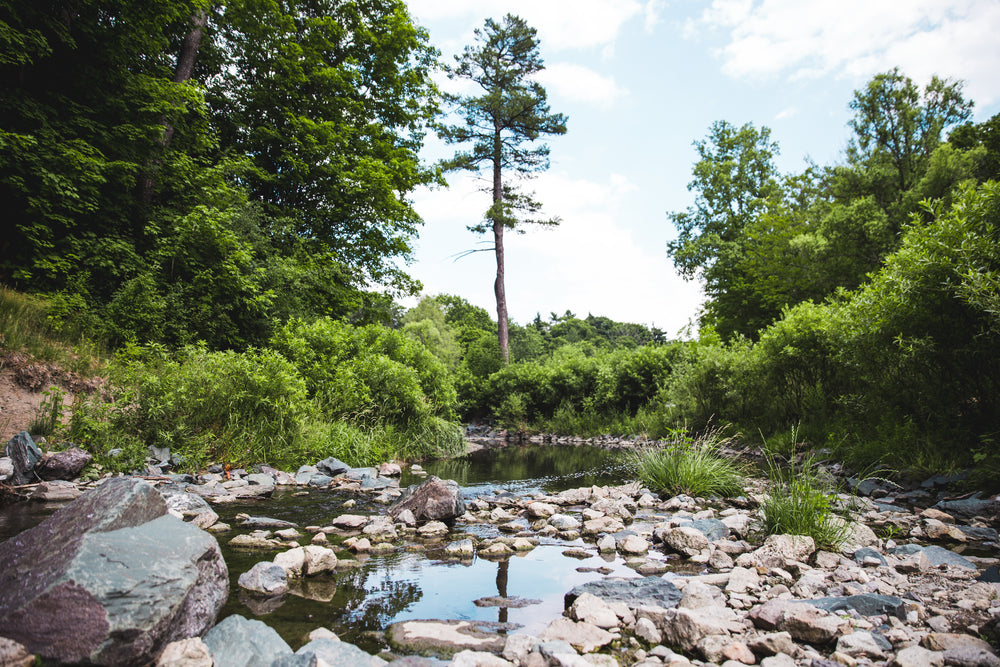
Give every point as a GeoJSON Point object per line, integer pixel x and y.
{"type": "Point", "coordinates": [936, 555]}
{"type": "Point", "coordinates": [332, 467]}
{"type": "Point", "coordinates": [242, 642]}
{"type": "Point", "coordinates": [24, 454]}
{"type": "Point", "coordinates": [63, 465]}
{"type": "Point", "coordinates": [434, 499]}
{"type": "Point", "coordinates": [265, 578]}
{"type": "Point", "coordinates": [866, 604]}
{"type": "Point", "coordinates": [110, 578]}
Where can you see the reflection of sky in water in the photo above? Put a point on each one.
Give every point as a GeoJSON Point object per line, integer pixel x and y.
{"type": "Point", "coordinates": [544, 574]}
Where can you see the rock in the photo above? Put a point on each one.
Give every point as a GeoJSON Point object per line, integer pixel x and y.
{"type": "Point", "coordinates": [633, 544]}
{"type": "Point", "coordinates": [13, 654]}
{"type": "Point", "coordinates": [24, 454]}
{"type": "Point", "coordinates": [603, 524]}
{"type": "Point", "coordinates": [262, 480]}
{"type": "Point", "coordinates": [191, 652]}
{"type": "Point", "coordinates": [389, 469]}
{"type": "Point", "coordinates": [712, 529]}
{"type": "Point", "coordinates": [6, 467]}
{"type": "Point", "coordinates": [335, 653]}
{"type": "Point", "coordinates": [936, 555]}
{"type": "Point", "coordinates": [258, 539]}
{"type": "Point", "coordinates": [564, 522]}
{"type": "Point", "coordinates": [861, 644]}
{"type": "Point", "coordinates": [444, 638]}
{"type": "Point", "coordinates": [111, 577]}
{"type": "Point", "coordinates": [917, 656]}
{"type": "Point", "coordinates": [264, 522]}
{"type": "Point", "coordinates": [969, 508]}
{"type": "Point", "coordinates": [778, 551]}
{"type": "Point", "coordinates": [306, 561]}
{"type": "Point", "coordinates": [865, 604]}
{"type": "Point", "coordinates": [779, 660]}
{"type": "Point", "coordinates": [433, 529]}
{"type": "Point", "coordinates": [742, 579]}
{"type": "Point", "coordinates": [939, 530]}
{"type": "Point", "coordinates": [319, 480]}
{"type": "Point", "coordinates": [332, 467]}
{"type": "Point", "coordinates": [59, 491]}
{"type": "Point", "coordinates": [433, 499]}
{"type": "Point", "coordinates": [771, 643]}
{"type": "Point", "coordinates": [633, 592]}
{"type": "Point", "coordinates": [806, 623]}
{"type": "Point", "coordinates": [461, 549]}
{"type": "Point", "coordinates": [539, 510]}
{"type": "Point", "coordinates": [265, 578]}
{"type": "Point", "coordinates": [698, 594]}
{"type": "Point", "coordinates": [241, 642]}
{"type": "Point", "coordinates": [970, 657]}
{"type": "Point", "coordinates": [686, 540]}
{"type": "Point", "coordinates": [583, 636]}
{"type": "Point", "coordinates": [943, 641]}
{"type": "Point", "coordinates": [592, 609]}
{"type": "Point", "coordinates": [684, 627]}
{"type": "Point", "coordinates": [647, 631]}
{"type": "Point", "coordinates": [189, 506]}
{"type": "Point", "coordinates": [861, 554]}
{"type": "Point", "coordinates": [350, 522]}
{"type": "Point", "coordinates": [607, 544]}
{"type": "Point", "coordinates": [63, 465]}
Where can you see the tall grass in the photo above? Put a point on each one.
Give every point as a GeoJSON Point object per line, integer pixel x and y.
{"type": "Point", "coordinates": [800, 500]}
{"type": "Point", "coordinates": [692, 466]}
{"type": "Point", "coordinates": [27, 325]}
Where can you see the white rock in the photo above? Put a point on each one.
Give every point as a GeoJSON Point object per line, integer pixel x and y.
{"type": "Point", "coordinates": [592, 609]}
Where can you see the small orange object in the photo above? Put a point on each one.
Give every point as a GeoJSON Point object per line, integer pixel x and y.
{"type": "Point", "coordinates": [228, 468]}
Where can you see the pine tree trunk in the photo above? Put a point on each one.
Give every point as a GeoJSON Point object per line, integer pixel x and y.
{"type": "Point", "coordinates": [498, 286]}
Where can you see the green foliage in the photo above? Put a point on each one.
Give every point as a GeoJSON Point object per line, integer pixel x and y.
{"type": "Point", "coordinates": [694, 467]}
{"type": "Point", "coordinates": [370, 374]}
{"type": "Point", "coordinates": [799, 502]}
{"type": "Point", "coordinates": [241, 408]}
{"type": "Point", "coordinates": [49, 416]}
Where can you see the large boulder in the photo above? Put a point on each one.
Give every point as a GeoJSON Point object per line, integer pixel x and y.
{"type": "Point", "coordinates": [434, 499]}
{"type": "Point", "coordinates": [63, 465]}
{"type": "Point", "coordinates": [110, 578]}
{"type": "Point", "coordinates": [24, 454]}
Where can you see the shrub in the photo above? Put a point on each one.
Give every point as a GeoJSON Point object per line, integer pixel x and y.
{"type": "Point", "coordinates": [800, 503]}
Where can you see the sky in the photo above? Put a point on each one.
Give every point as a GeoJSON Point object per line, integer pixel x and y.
{"type": "Point", "coordinates": [640, 81]}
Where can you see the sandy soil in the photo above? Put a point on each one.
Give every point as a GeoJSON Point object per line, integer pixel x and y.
{"type": "Point", "coordinates": [23, 382]}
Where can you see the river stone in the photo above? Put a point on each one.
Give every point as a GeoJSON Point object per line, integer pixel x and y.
{"type": "Point", "coordinates": [581, 635]}
{"type": "Point", "coordinates": [264, 522]}
{"type": "Point", "coordinates": [189, 506]}
{"type": "Point", "coordinates": [185, 653]}
{"type": "Point", "coordinates": [968, 508]}
{"type": "Point", "coordinates": [24, 454]}
{"type": "Point", "coordinates": [445, 638]}
{"type": "Point", "coordinates": [13, 654]}
{"type": "Point", "coordinates": [306, 561]}
{"type": "Point", "coordinates": [433, 499]}
{"type": "Point", "coordinates": [63, 465]}
{"type": "Point", "coordinates": [936, 555]}
{"type": "Point", "coordinates": [860, 644]}
{"type": "Point", "coordinates": [867, 552]}
{"type": "Point", "coordinates": [634, 592]}
{"type": "Point", "coordinates": [265, 578]}
{"type": "Point", "coordinates": [687, 540]}
{"type": "Point", "coordinates": [332, 467]}
{"type": "Point", "coordinates": [241, 642]}
{"type": "Point", "coordinates": [350, 522]}
{"type": "Point", "coordinates": [110, 578]}
{"type": "Point", "coordinates": [866, 604]}
{"type": "Point", "coordinates": [57, 491]}
{"type": "Point", "coordinates": [564, 522]}
{"type": "Point", "coordinates": [712, 529]}
{"type": "Point", "coordinates": [332, 653]}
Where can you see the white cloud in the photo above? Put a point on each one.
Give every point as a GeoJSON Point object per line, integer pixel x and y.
{"type": "Point", "coordinates": [787, 112]}
{"type": "Point", "coordinates": [561, 24]}
{"type": "Point", "coordinates": [857, 38]}
{"type": "Point", "coordinates": [591, 263]}
{"type": "Point", "coordinates": [581, 84]}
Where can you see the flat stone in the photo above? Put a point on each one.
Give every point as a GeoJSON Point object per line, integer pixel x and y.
{"type": "Point", "coordinates": [264, 523]}
{"type": "Point", "coordinates": [917, 656]}
{"type": "Point", "coordinates": [461, 549]}
{"type": "Point", "coordinates": [633, 592]}
{"type": "Point", "coordinates": [583, 636]}
{"type": "Point", "coordinates": [265, 578]}
{"type": "Point", "coordinates": [443, 639]}
{"type": "Point", "coordinates": [191, 652]}
{"type": "Point", "coordinates": [942, 641]}
{"type": "Point", "coordinates": [936, 555]}
{"type": "Point", "coordinates": [866, 604]}
{"type": "Point", "coordinates": [59, 491]}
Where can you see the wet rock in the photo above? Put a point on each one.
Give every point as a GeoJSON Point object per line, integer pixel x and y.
{"type": "Point", "coordinates": [191, 652]}
{"type": "Point", "coordinates": [433, 529]}
{"type": "Point", "coordinates": [111, 577]}
{"type": "Point", "coordinates": [258, 539]}
{"type": "Point", "coordinates": [306, 561]}
{"type": "Point", "coordinates": [63, 465]}
{"type": "Point", "coordinates": [444, 638]}
{"type": "Point", "coordinates": [433, 499]}
{"type": "Point", "coordinates": [265, 578]}
{"type": "Point", "coordinates": [350, 522]}
{"type": "Point", "coordinates": [539, 510]}
{"type": "Point", "coordinates": [319, 480]}
{"type": "Point", "coordinates": [189, 506]}
{"type": "Point", "coordinates": [602, 524]}
{"type": "Point", "coordinates": [633, 544]}
{"type": "Point", "coordinates": [241, 642]}
{"type": "Point", "coordinates": [263, 522]}
{"type": "Point", "coordinates": [633, 592]}
{"type": "Point", "coordinates": [461, 549]}
{"type": "Point", "coordinates": [24, 454]}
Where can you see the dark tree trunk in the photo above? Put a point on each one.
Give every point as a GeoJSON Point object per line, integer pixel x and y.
{"type": "Point", "coordinates": [182, 73]}
{"type": "Point", "coordinates": [498, 286]}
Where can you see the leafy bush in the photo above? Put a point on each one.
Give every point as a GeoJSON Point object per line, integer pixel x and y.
{"type": "Point", "coordinates": [694, 467]}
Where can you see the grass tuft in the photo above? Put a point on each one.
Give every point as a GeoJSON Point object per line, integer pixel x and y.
{"type": "Point", "coordinates": [800, 502]}
{"type": "Point", "coordinates": [695, 467]}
